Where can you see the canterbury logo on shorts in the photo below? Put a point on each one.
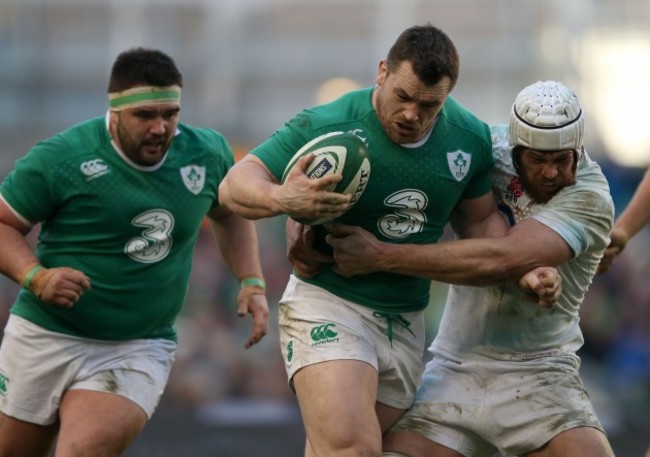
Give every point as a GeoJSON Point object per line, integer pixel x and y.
{"type": "Point", "coordinates": [322, 334]}
{"type": "Point", "coordinates": [4, 384]}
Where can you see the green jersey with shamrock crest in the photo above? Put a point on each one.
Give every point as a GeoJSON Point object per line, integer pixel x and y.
{"type": "Point", "coordinates": [411, 192]}
{"type": "Point", "coordinates": [130, 229]}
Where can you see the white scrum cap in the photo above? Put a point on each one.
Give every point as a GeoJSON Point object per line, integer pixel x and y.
{"type": "Point", "coordinates": [547, 116]}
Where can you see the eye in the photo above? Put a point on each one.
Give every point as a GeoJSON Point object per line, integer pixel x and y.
{"type": "Point", "coordinates": [429, 105]}
{"type": "Point", "coordinates": [145, 114]}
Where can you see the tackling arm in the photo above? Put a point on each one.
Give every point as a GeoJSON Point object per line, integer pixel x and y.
{"type": "Point", "coordinates": [476, 261]}
{"type": "Point", "coordinates": [493, 254]}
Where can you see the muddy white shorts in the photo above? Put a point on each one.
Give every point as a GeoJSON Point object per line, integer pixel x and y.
{"type": "Point", "coordinates": [38, 366]}
{"type": "Point", "coordinates": [317, 326]}
{"type": "Point", "coordinates": [479, 407]}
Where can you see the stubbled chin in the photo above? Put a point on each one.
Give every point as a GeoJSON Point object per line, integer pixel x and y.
{"type": "Point", "coordinates": [544, 196]}
{"type": "Point", "coordinates": [401, 136]}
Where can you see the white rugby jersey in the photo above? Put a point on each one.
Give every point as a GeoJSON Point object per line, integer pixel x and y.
{"type": "Point", "coordinates": [499, 322]}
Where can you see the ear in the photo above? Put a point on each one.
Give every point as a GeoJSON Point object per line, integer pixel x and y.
{"type": "Point", "coordinates": [112, 123]}
{"type": "Point", "coordinates": [382, 71]}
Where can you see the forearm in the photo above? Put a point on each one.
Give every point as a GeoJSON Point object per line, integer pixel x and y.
{"type": "Point", "coordinates": [236, 238]}
{"type": "Point", "coordinates": [249, 191]}
{"type": "Point", "coordinates": [637, 213]}
{"type": "Point", "coordinates": [476, 262]}
{"type": "Point", "coordinates": [15, 253]}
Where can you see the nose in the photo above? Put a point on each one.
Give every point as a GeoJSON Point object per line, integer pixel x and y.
{"type": "Point", "coordinates": [550, 171]}
{"type": "Point", "coordinates": [411, 113]}
{"type": "Point", "coordinates": [158, 126]}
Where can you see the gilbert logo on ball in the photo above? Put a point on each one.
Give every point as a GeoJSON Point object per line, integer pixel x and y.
{"type": "Point", "coordinates": [336, 152]}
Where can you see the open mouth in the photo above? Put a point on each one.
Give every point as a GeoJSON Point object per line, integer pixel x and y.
{"type": "Point", "coordinates": [152, 148]}
{"type": "Point", "coordinates": [404, 129]}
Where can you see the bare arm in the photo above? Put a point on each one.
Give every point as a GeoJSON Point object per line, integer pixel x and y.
{"type": "Point", "coordinates": [250, 190]}
{"type": "Point", "coordinates": [473, 218]}
{"type": "Point", "coordinates": [237, 241]}
{"type": "Point", "coordinates": [478, 218]}
{"type": "Point", "coordinates": [476, 261]}
{"type": "Point", "coordinates": [60, 286]}
{"type": "Point", "coordinates": [15, 252]}
{"type": "Point", "coordinates": [635, 216]}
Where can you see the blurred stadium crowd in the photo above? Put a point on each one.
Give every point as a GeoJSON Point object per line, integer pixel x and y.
{"type": "Point", "coordinates": [55, 57]}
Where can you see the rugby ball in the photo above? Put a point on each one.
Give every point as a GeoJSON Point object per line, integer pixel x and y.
{"type": "Point", "coordinates": [336, 152]}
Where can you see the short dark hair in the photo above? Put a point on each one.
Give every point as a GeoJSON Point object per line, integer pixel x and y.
{"type": "Point", "coordinates": [143, 67]}
{"type": "Point", "coordinates": [431, 52]}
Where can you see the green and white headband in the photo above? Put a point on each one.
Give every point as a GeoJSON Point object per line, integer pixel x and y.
{"type": "Point", "coordinates": [143, 95]}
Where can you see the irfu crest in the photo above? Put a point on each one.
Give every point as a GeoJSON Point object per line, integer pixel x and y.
{"type": "Point", "coordinates": [193, 178]}
{"type": "Point", "coordinates": [459, 163]}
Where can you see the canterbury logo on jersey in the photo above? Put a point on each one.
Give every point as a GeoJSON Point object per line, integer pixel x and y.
{"type": "Point", "coordinates": [94, 168]}
{"type": "Point", "coordinates": [459, 163]}
{"type": "Point", "coordinates": [324, 334]}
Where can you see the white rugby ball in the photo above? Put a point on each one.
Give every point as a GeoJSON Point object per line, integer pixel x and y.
{"type": "Point", "coordinates": [336, 152]}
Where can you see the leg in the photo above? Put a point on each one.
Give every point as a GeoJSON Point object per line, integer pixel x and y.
{"type": "Point", "coordinates": [97, 424]}
{"type": "Point", "coordinates": [411, 444]}
{"type": "Point", "coordinates": [576, 442]}
{"type": "Point", "coordinates": [337, 402]}
{"type": "Point", "coordinates": [19, 438]}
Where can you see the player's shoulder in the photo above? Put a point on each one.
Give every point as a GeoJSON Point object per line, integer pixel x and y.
{"type": "Point", "coordinates": [460, 118]}
{"type": "Point", "coordinates": [350, 107]}
{"type": "Point", "coordinates": [200, 135]}
{"type": "Point", "coordinates": [201, 140]}
{"type": "Point", "coordinates": [83, 137]}
{"type": "Point", "coordinates": [501, 145]}
{"type": "Point", "coordinates": [590, 180]}
{"type": "Point", "coordinates": [201, 145]}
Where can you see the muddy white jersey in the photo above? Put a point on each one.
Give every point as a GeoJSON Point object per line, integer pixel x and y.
{"type": "Point", "coordinates": [499, 322]}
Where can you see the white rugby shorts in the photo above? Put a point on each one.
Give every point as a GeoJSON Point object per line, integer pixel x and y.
{"type": "Point", "coordinates": [480, 407]}
{"type": "Point", "coordinates": [317, 326]}
{"type": "Point", "coordinates": [38, 366]}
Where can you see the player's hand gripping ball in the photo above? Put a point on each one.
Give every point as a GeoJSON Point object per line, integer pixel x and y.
{"type": "Point", "coordinates": [336, 152]}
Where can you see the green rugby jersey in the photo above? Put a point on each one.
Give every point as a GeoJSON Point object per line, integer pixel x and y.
{"type": "Point", "coordinates": [411, 191]}
{"type": "Point", "coordinates": [130, 229]}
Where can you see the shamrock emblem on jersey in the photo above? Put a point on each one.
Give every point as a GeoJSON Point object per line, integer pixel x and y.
{"type": "Point", "coordinates": [459, 163]}
{"type": "Point", "coordinates": [193, 178]}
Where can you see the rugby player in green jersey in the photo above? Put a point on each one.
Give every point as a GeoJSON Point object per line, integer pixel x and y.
{"type": "Point", "coordinates": [353, 346]}
{"type": "Point", "coordinates": [504, 376]}
{"type": "Point", "coordinates": [90, 340]}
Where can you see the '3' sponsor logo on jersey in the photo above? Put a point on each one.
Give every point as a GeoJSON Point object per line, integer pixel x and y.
{"type": "Point", "coordinates": [408, 215]}
{"type": "Point", "coordinates": [156, 240]}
